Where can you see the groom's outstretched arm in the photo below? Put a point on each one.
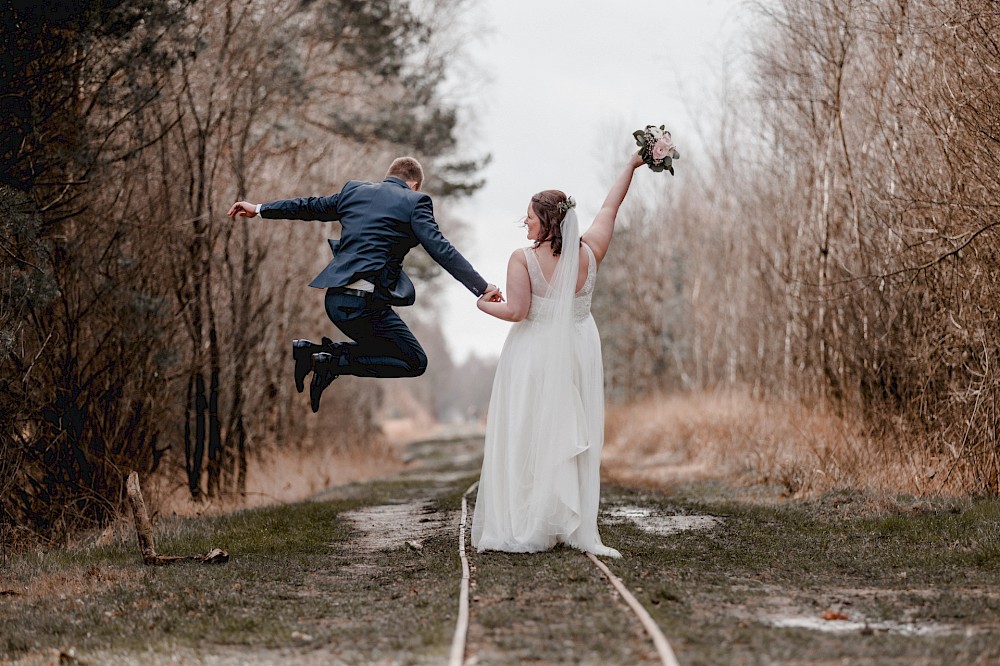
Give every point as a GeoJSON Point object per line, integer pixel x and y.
{"type": "Point", "coordinates": [305, 208]}
{"type": "Point", "coordinates": [323, 209]}
{"type": "Point", "coordinates": [426, 230]}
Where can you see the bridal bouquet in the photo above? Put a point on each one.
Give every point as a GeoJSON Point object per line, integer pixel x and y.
{"type": "Point", "coordinates": [656, 148]}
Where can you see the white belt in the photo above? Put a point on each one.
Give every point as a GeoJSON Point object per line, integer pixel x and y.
{"type": "Point", "coordinates": [362, 285]}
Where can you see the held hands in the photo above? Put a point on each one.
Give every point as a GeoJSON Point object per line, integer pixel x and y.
{"type": "Point", "coordinates": [243, 209]}
{"type": "Point", "coordinates": [492, 294]}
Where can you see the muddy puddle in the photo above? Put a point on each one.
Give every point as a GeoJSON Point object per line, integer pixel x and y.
{"type": "Point", "coordinates": [857, 626]}
{"type": "Point", "coordinates": [649, 520]}
{"type": "Point", "coordinates": [393, 525]}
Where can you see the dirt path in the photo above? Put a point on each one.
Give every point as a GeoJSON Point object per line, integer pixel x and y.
{"type": "Point", "coordinates": [552, 607]}
{"type": "Point", "coordinates": [369, 573]}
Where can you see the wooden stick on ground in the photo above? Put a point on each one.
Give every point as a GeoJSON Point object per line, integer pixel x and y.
{"type": "Point", "coordinates": [143, 528]}
{"type": "Point", "coordinates": [144, 532]}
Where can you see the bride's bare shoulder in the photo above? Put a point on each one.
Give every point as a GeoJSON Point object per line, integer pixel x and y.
{"type": "Point", "coordinates": [518, 256]}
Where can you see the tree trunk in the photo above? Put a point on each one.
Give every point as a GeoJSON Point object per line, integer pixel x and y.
{"type": "Point", "coordinates": [192, 454]}
{"type": "Point", "coordinates": [215, 452]}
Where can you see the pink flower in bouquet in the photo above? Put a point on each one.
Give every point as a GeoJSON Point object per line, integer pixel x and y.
{"type": "Point", "coordinates": [656, 148]}
{"type": "Point", "coordinates": [664, 147]}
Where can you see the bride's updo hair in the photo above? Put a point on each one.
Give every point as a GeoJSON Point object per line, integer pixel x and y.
{"type": "Point", "coordinates": [550, 214]}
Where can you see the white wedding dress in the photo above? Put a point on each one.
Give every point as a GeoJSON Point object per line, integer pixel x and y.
{"type": "Point", "coordinates": [540, 482]}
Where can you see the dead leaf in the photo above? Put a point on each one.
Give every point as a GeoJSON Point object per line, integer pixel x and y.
{"type": "Point", "coordinates": [215, 556]}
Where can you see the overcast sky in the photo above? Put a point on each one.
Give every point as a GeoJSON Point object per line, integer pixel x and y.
{"type": "Point", "coordinates": [564, 80]}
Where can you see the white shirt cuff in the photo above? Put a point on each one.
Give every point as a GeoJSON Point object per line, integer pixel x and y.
{"type": "Point", "coordinates": [257, 211]}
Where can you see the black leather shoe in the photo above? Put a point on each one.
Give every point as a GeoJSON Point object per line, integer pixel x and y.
{"type": "Point", "coordinates": [323, 375]}
{"type": "Point", "coordinates": [302, 351]}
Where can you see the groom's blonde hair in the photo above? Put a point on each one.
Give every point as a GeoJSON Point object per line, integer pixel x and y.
{"type": "Point", "coordinates": [407, 169]}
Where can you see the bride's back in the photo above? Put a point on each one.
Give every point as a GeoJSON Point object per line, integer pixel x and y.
{"type": "Point", "coordinates": [547, 262]}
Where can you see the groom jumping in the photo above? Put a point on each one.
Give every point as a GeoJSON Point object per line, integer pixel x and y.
{"type": "Point", "coordinates": [380, 222]}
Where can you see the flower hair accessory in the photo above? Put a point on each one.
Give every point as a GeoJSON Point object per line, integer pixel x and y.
{"type": "Point", "coordinates": [564, 206]}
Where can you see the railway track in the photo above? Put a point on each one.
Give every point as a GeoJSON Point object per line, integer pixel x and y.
{"type": "Point", "coordinates": [459, 647]}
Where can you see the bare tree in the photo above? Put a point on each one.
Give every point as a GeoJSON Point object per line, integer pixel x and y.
{"type": "Point", "coordinates": [134, 314]}
{"type": "Point", "coordinates": [848, 257]}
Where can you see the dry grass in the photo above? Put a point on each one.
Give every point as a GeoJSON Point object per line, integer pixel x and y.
{"type": "Point", "coordinates": [276, 477]}
{"type": "Point", "coordinates": [279, 476]}
{"type": "Point", "coordinates": [731, 436]}
{"type": "Point", "coordinates": [71, 582]}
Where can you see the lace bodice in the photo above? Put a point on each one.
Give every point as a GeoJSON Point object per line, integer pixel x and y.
{"type": "Point", "coordinates": [541, 306]}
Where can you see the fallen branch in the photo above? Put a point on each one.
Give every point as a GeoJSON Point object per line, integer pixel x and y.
{"type": "Point", "coordinates": [144, 532]}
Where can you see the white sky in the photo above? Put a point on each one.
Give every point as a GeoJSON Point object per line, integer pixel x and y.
{"type": "Point", "coordinates": [568, 81]}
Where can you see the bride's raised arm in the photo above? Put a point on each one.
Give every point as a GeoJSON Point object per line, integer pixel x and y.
{"type": "Point", "coordinates": [598, 236]}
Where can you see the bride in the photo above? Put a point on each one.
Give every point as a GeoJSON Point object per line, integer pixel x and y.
{"type": "Point", "coordinates": [540, 482]}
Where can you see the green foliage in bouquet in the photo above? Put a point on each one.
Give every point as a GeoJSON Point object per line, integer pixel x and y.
{"type": "Point", "coordinates": [656, 147]}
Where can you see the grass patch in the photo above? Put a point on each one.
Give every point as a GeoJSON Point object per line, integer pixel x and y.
{"type": "Point", "coordinates": [103, 595]}
{"type": "Point", "coordinates": [295, 582]}
{"type": "Point", "coordinates": [715, 593]}
{"type": "Point", "coordinates": [453, 501]}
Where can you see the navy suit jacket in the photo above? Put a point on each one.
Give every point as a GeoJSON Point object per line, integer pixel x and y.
{"type": "Point", "coordinates": [381, 222]}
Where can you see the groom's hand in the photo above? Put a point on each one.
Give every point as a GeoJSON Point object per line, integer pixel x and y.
{"type": "Point", "coordinates": [243, 209]}
{"type": "Point", "coordinates": [493, 294]}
